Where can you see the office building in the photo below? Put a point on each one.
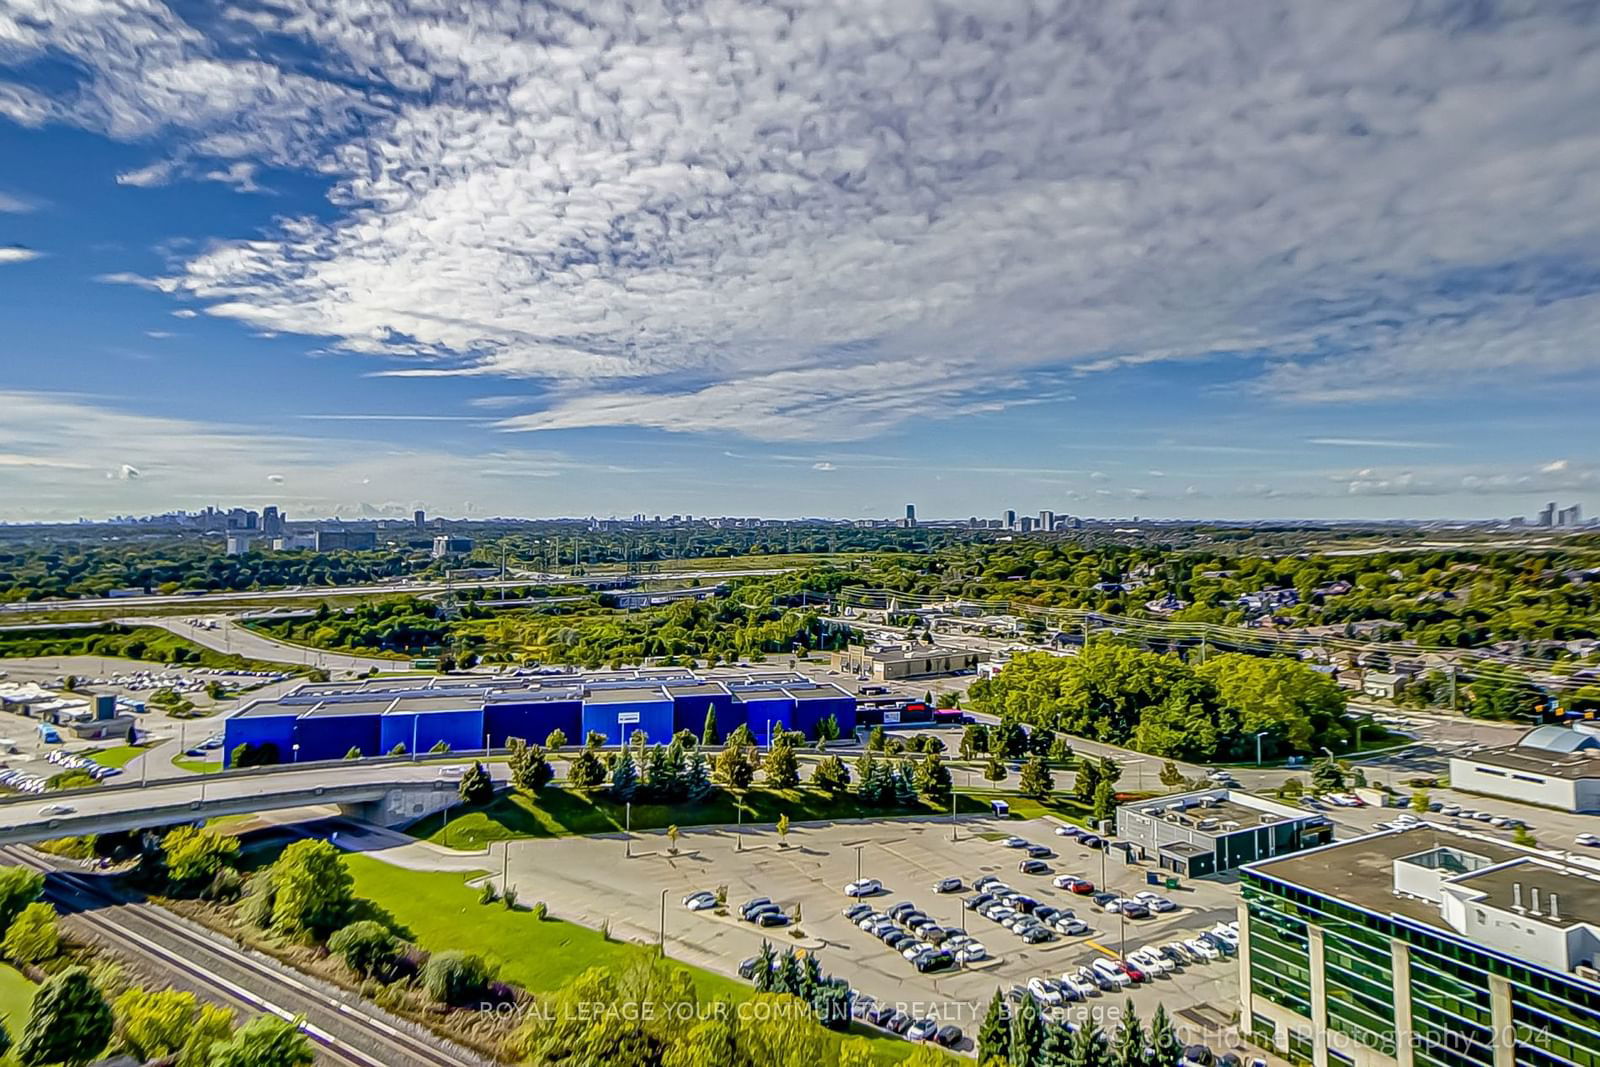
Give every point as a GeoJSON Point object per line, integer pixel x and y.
{"type": "Point", "coordinates": [419, 518]}
{"type": "Point", "coordinates": [345, 540]}
{"type": "Point", "coordinates": [271, 521]}
{"type": "Point", "coordinates": [1047, 520]}
{"type": "Point", "coordinates": [237, 544]}
{"type": "Point", "coordinates": [911, 514]}
{"type": "Point", "coordinates": [1216, 830]}
{"type": "Point", "coordinates": [325, 721]}
{"type": "Point", "coordinates": [1554, 766]}
{"type": "Point", "coordinates": [445, 545]}
{"type": "Point", "coordinates": [1547, 516]}
{"type": "Point", "coordinates": [1011, 520]}
{"type": "Point", "coordinates": [1572, 516]}
{"type": "Point", "coordinates": [1422, 948]}
{"type": "Point", "coordinates": [891, 662]}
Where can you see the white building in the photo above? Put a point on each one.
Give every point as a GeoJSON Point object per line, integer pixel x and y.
{"type": "Point", "coordinates": [1556, 766]}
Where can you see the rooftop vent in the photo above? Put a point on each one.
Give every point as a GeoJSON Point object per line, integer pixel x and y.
{"type": "Point", "coordinates": [1533, 895]}
{"type": "Point", "coordinates": [1516, 897]}
{"type": "Point", "coordinates": [1555, 913]}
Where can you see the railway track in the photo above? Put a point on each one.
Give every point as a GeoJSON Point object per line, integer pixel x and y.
{"type": "Point", "coordinates": [345, 1034]}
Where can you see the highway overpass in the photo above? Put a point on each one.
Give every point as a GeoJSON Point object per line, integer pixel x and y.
{"type": "Point", "coordinates": [386, 794]}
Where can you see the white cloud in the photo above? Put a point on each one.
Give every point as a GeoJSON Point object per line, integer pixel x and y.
{"type": "Point", "coordinates": [823, 465]}
{"type": "Point", "coordinates": [16, 254]}
{"type": "Point", "coordinates": [15, 205]}
{"type": "Point", "coordinates": [148, 177]}
{"type": "Point", "coordinates": [669, 219]}
{"type": "Point", "coordinates": [159, 335]}
{"type": "Point", "coordinates": [1367, 442]}
{"type": "Point", "coordinates": [276, 479]}
{"type": "Point", "coordinates": [185, 313]}
{"type": "Point", "coordinates": [1554, 466]}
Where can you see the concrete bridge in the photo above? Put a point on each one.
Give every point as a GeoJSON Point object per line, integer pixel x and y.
{"type": "Point", "coordinates": [389, 794]}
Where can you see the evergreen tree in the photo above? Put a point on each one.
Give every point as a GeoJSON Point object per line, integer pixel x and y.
{"type": "Point", "coordinates": [476, 787]}
{"type": "Point", "coordinates": [586, 771]}
{"type": "Point", "coordinates": [624, 777]}
{"type": "Point", "coordinates": [994, 1033]}
{"type": "Point", "coordinates": [1164, 1044]}
{"type": "Point", "coordinates": [697, 778]}
{"type": "Point", "coordinates": [530, 768]}
{"type": "Point", "coordinates": [709, 737]}
{"type": "Point", "coordinates": [1129, 1048]}
{"type": "Point", "coordinates": [905, 782]}
{"type": "Point", "coordinates": [736, 766]}
{"type": "Point", "coordinates": [1087, 781]}
{"type": "Point", "coordinates": [741, 737]}
{"type": "Point", "coordinates": [1105, 801]}
{"type": "Point", "coordinates": [828, 728]}
{"type": "Point", "coordinates": [810, 976]}
{"type": "Point", "coordinates": [766, 968]}
{"type": "Point", "coordinates": [1027, 1032]}
{"type": "Point", "coordinates": [1171, 777]}
{"type": "Point", "coordinates": [1035, 780]}
{"type": "Point", "coordinates": [790, 980]}
{"type": "Point", "coordinates": [1056, 1050]}
{"type": "Point", "coordinates": [1060, 751]}
{"type": "Point", "coordinates": [1089, 1048]}
{"type": "Point", "coordinates": [876, 739]}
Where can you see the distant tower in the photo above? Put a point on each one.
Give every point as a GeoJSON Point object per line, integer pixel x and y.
{"type": "Point", "coordinates": [911, 514]}
{"type": "Point", "coordinates": [419, 518]}
{"type": "Point", "coordinates": [1047, 520]}
{"type": "Point", "coordinates": [1547, 517]}
{"type": "Point", "coordinates": [1011, 520]}
{"type": "Point", "coordinates": [271, 521]}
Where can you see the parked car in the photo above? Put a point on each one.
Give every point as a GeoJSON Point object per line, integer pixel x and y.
{"type": "Point", "coordinates": [947, 885]}
{"type": "Point", "coordinates": [1070, 925]}
{"type": "Point", "coordinates": [1091, 841]}
{"type": "Point", "coordinates": [1203, 949]}
{"type": "Point", "coordinates": [855, 911]}
{"type": "Point", "coordinates": [1044, 991]}
{"type": "Point", "coordinates": [973, 903]}
{"type": "Point", "coordinates": [1150, 961]}
{"type": "Point", "coordinates": [772, 918]}
{"type": "Point", "coordinates": [1083, 989]}
{"type": "Point", "coordinates": [866, 887]}
{"type": "Point", "coordinates": [1116, 975]}
{"type": "Point", "coordinates": [949, 1036]}
{"type": "Point", "coordinates": [923, 1029]}
{"type": "Point", "coordinates": [752, 903]}
{"type": "Point", "coordinates": [937, 960]}
{"type": "Point", "coordinates": [901, 910]}
{"type": "Point", "coordinates": [701, 901]}
{"type": "Point", "coordinates": [1034, 935]}
{"type": "Point", "coordinates": [971, 952]}
{"type": "Point", "coordinates": [1587, 840]}
{"type": "Point", "coordinates": [1104, 901]}
{"type": "Point", "coordinates": [748, 968]}
{"type": "Point", "coordinates": [1155, 901]}
{"type": "Point", "coordinates": [1134, 971]}
{"type": "Point", "coordinates": [1040, 852]}
{"type": "Point", "coordinates": [1067, 831]}
{"type": "Point", "coordinates": [1015, 842]}
{"type": "Point", "coordinates": [898, 1022]}
{"type": "Point", "coordinates": [1033, 867]}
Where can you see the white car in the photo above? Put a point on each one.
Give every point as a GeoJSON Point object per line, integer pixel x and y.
{"type": "Point", "coordinates": [1155, 901]}
{"type": "Point", "coordinates": [1064, 881]}
{"type": "Point", "coordinates": [701, 901]}
{"type": "Point", "coordinates": [1226, 933]}
{"type": "Point", "coordinates": [1589, 840]}
{"type": "Point", "coordinates": [1199, 948]}
{"type": "Point", "coordinates": [57, 809]}
{"type": "Point", "coordinates": [923, 1029]}
{"type": "Point", "coordinates": [1084, 989]}
{"type": "Point", "coordinates": [1112, 973]}
{"type": "Point", "coordinates": [1044, 991]}
{"type": "Point", "coordinates": [971, 952]}
{"type": "Point", "coordinates": [1177, 951]}
{"type": "Point", "coordinates": [1151, 960]}
{"type": "Point", "coordinates": [864, 888]}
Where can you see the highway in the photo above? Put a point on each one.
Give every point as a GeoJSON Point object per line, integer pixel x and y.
{"type": "Point", "coordinates": [180, 602]}
{"type": "Point", "coordinates": [347, 1031]}
{"type": "Point", "coordinates": [230, 637]}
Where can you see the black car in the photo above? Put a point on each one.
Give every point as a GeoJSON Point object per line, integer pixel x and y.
{"type": "Point", "coordinates": [1044, 913]}
{"type": "Point", "coordinates": [880, 1014]}
{"type": "Point", "coordinates": [1034, 867]}
{"type": "Point", "coordinates": [1023, 903]}
{"type": "Point", "coordinates": [861, 1006]}
{"type": "Point", "coordinates": [1040, 852]}
{"type": "Point", "coordinates": [748, 968]}
{"type": "Point", "coordinates": [754, 914]}
{"type": "Point", "coordinates": [750, 905]}
{"type": "Point", "coordinates": [898, 940]}
{"type": "Point", "coordinates": [1035, 934]}
{"type": "Point", "coordinates": [901, 910]}
{"type": "Point", "coordinates": [975, 902]}
{"type": "Point", "coordinates": [948, 1036]}
{"type": "Point", "coordinates": [935, 961]}
{"type": "Point", "coordinates": [933, 935]}
{"type": "Point", "coordinates": [1090, 841]}
{"type": "Point", "coordinates": [772, 918]}
{"type": "Point", "coordinates": [899, 1022]}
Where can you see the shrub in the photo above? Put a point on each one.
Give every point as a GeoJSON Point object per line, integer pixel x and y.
{"type": "Point", "coordinates": [540, 911]}
{"type": "Point", "coordinates": [455, 978]}
{"type": "Point", "coordinates": [366, 947]}
{"type": "Point", "coordinates": [487, 894]}
{"type": "Point", "coordinates": [33, 937]}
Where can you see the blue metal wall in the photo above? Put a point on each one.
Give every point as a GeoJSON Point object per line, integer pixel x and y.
{"type": "Point", "coordinates": [255, 730]}
{"type": "Point", "coordinates": [655, 719]}
{"type": "Point", "coordinates": [761, 714]}
{"type": "Point", "coordinates": [532, 721]}
{"type": "Point", "coordinates": [810, 712]}
{"type": "Point", "coordinates": [461, 730]}
{"type": "Point", "coordinates": [331, 736]}
{"type": "Point", "coordinates": [689, 713]}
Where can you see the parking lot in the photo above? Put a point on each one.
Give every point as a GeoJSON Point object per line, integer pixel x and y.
{"type": "Point", "coordinates": [593, 880]}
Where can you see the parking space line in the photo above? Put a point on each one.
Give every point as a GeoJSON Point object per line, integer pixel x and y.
{"type": "Point", "coordinates": [1092, 943]}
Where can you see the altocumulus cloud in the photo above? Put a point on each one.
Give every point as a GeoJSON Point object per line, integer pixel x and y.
{"type": "Point", "coordinates": [726, 215]}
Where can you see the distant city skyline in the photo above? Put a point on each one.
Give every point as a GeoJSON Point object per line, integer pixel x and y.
{"type": "Point", "coordinates": [501, 259]}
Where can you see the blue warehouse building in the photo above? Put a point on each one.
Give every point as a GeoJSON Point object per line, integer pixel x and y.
{"type": "Point", "coordinates": [326, 720]}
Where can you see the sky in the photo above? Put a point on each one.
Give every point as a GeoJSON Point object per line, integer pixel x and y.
{"type": "Point", "coordinates": [494, 258]}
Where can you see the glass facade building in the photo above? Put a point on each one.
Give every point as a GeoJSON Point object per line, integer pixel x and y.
{"type": "Point", "coordinates": [1341, 968]}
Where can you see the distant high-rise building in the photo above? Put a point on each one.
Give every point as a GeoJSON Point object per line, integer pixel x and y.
{"type": "Point", "coordinates": [1547, 517]}
{"type": "Point", "coordinates": [911, 514]}
{"type": "Point", "coordinates": [1011, 520]}
{"type": "Point", "coordinates": [419, 518]}
{"type": "Point", "coordinates": [271, 521]}
{"type": "Point", "coordinates": [1047, 520]}
{"type": "Point", "coordinates": [1025, 524]}
{"type": "Point", "coordinates": [1572, 516]}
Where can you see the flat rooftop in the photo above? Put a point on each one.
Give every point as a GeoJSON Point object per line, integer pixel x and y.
{"type": "Point", "coordinates": [632, 695]}
{"type": "Point", "coordinates": [1578, 897]}
{"type": "Point", "coordinates": [770, 692]}
{"type": "Point", "coordinates": [329, 709]}
{"type": "Point", "coordinates": [697, 689]}
{"type": "Point", "coordinates": [1361, 873]}
{"type": "Point", "coordinates": [1573, 765]}
{"type": "Point", "coordinates": [825, 691]}
{"type": "Point", "coordinates": [424, 704]}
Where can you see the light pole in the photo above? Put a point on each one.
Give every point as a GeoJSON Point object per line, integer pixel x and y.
{"type": "Point", "coordinates": [663, 937]}
{"type": "Point", "coordinates": [505, 866]}
{"type": "Point", "coordinates": [858, 862]}
{"type": "Point", "coordinates": [1259, 735]}
{"type": "Point", "coordinates": [627, 827]}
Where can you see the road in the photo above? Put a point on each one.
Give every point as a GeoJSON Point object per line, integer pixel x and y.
{"type": "Point", "coordinates": [180, 601]}
{"type": "Point", "coordinates": [230, 637]}
{"type": "Point", "coordinates": [346, 1031]}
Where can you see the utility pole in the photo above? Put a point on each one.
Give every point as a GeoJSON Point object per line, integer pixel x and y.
{"type": "Point", "coordinates": [1452, 687]}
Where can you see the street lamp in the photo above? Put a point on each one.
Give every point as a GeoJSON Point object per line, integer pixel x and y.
{"type": "Point", "coordinates": [295, 752]}
{"type": "Point", "coordinates": [1259, 735]}
{"type": "Point", "coordinates": [858, 862]}
{"type": "Point", "coordinates": [663, 937]}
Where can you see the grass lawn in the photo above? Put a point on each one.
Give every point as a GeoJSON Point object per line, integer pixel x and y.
{"type": "Point", "coordinates": [557, 812]}
{"type": "Point", "coordinates": [197, 766]}
{"type": "Point", "coordinates": [1060, 806]}
{"type": "Point", "coordinates": [16, 996]}
{"type": "Point", "coordinates": [118, 756]}
{"type": "Point", "coordinates": [441, 912]}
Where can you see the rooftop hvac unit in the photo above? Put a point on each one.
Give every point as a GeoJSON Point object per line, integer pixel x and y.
{"type": "Point", "coordinates": [1269, 817]}
{"type": "Point", "coordinates": [1206, 824]}
{"type": "Point", "coordinates": [1230, 826]}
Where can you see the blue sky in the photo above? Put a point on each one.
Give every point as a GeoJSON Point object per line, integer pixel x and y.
{"type": "Point", "coordinates": [1154, 259]}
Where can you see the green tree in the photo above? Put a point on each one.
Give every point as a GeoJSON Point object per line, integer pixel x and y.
{"type": "Point", "coordinates": [830, 775]}
{"type": "Point", "coordinates": [476, 788]}
{"type": "Point", "coordinates": [1327, 776]}
{"type": "Point", "coordinates": [782, 767]}
{"type": "Point", "coordinates": [783, 832]}
{"type": "Point", "coordinates": [158, 1024]}
{"type": "Point", "coordinates": [624, 776]}
{"type": "Point", "coordinates": [1171, 777]}
{"type": "Point", "coordinates": [995, 769]}
{"type": "Point", "coordinates": [1086, 781]}
{"type": "Point", "coordinates": [368, 948]}
{"type": "Point", "coordinates": [33, 936]}
{"type": "Point", "coordinates": [1164, 1041]}
{"type": "Point", "coordinates": [19, 887]}
{"type": "Point", "coordinates": [1130, 1046]}
{"type": "Point", "coordinates": [1061, 752]}
{"type": "Point", "coordinates": [354, 753]}
{"type": "Point", "coordinates": [556, 740]}
{"type": "Point", "coordinates": [1520, 835]}
{"type": "Point", "coordinates": [1027, 1032]}
{"type": "Point", "coordinates": [398, 750]}
{"type": "Point", "coordinates": [708, 733]}
{"type": "Point", "coordinates": [1013, 741]}
{"type": "Point", "coordinates": [974, 740]}
{"type": "Point", "coordinates": [828, 728]}
{"type": "Point", "coordinates": [265, 1041]}
{"type": "Point", "coordinates": [735, 766]}
{"type": "Point", "coordinates": [1420, 801]}
{"type": "Point", "coordinates": [195, 854]}
{"type": "Point", "coordinates": [697, 776]}
{"type": "Point", "coordinates": [1089, 1048]}
{"type": "Point", "coordinates": [933, 778]}
{"type": "Point", "coordinates": [994, 1033]}
{"type": "Point", "coordinates": [876, 739]}
{"type": "Point", "coordinates": [1105, 801]}
{"type": "Point", "coordinates": [70, 1022]}
{"type": "Point", "coordinates": [455, 978]}
{"type": "Point", "coordinates": [440, 748]}
{"type": "Point", "coordinates": [1035, 780]}
{"type": "Point", "coordinates": [586, 771]}
{"type": "Point", "coordinates": [313, 891]}
{"type": "Point", "coordinates": [530, 768]}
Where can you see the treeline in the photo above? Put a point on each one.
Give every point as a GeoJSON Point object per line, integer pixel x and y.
{"type": "Point", "coordinates": [149, 643]}
{"type": "Point", "coordinates": [1163, 705]}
